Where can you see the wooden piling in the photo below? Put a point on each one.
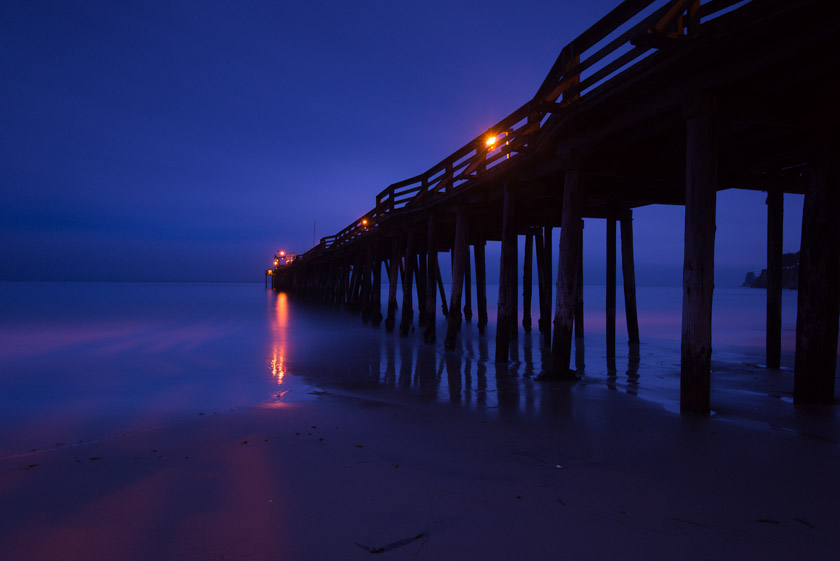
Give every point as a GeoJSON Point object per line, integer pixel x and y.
{"type": "Point", "coordinates": [514, 294]}
{"type": "Point", "coordinates": [341, 285]}
{"type": "Point", "coordinates": [461, 260]}
{"type": "Point", "coordinates": [540, 252]}
{"type": "Point", "coordinates": [818, 305]}
{"type": "Point", "coordinates": [420, 284]}
{"type": "Point", "coordinates": [468, 314]}
{"type": "Point", "coordinates": [356, 283]}
{"type": "Point", "coordinates": [611, 287]}
{"type": "Point", "coordinates": [431, 280]}
{"type": "Point", "coordinates": [442, 290]}
{"type": "Point", "coordinates": [480, 286]}
{"type": "Point", "coordinates": [698, 268]}
{"type": "Point", "coordinates": [568, 262]}
{"type": "Point", "coordinates": [402, 270]}
{"type": "Point", "coordinates": [331, 283]}
{"type": "Point", "coordinates": [367, 286]}
{"type": "Point", "coordinates": [628, 270]}
{"type": "Point", "coordinates": [507, 276]}
{"type": "Point", "coordinates": [390, 319]}
{"type": "Point", "coordinates": [376, 300]}
{"type": "Point", "coordinates": [775, 218]}
{"type": "Point", "coordinates": [348, 283]}
{"type": "Point", "coordinates": [579, 290]}
{"type": "Point", "coordinates": [545, 311]}
{"type": "Point", "coordinates": [526, 282]}
{"type": "Point", "coordinates": [407, 310]}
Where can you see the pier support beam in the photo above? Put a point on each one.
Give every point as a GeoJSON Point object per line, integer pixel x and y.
{"type": "Point", "coordinates": [526, 282]}
{"type": "Point", "coordinates": [611, 254]}
{"type": "Point", "coordinates": [480, 286]}
{"type": "Point", "coordinates": [393, 273]}
{"type": "Point", "coordinates": [443, 305]}
{"type": "Point", "coordinates": [775, 218]}
{"type": "Point", "coordinates": [698, 264]}
{"type": "Point", "coordinates": [407, 311]}
{"type": "Point", "coordinates": [628, 269]}
{"type": "Point", "coordinates": [429, 334]}
{"type": "Point", "coordinates": [376, 300]}
{"type": "Point", "coordinates": [341, 289]}
{"type": "Point", "coordinates": [579, 290]}
{"type": "Point", "coordinates": [540, 251]}
{"type": "Point", "coordinates": [460, 250]}
{"type": "Point", "coordinates": [467, 288]}
{"type": "Point", "coordinates": [545, 310]}
{"type": "Point", "coordinates": [329, 289]}
{"type": "Point", "coordinates": [568, 262]}
{"type": "Point", "coordinates": [514, 302]}
{"type": "Point", "coordinates": [420, 284]}
{"type": "Point", "coordinates": [818, 306]}
{"type": "Point", "coordinates": [507, 276]}
{"type": "Point", "coordinates": [367, 287]}
{"type": "Point", "coordinates": [356, 286]}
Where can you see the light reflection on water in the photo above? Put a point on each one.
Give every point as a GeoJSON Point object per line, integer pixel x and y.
{"type": "Point", "coordinates": [335, 351]}
{"type": "Point", "coordinates": [83, 361]}
{"type": "Point", "coordinates": [279, 338]}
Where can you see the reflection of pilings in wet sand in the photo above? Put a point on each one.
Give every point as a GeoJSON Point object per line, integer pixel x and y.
{"type": "Point", "coordinates": [528, 387]}
{"type": "Point", "coordinates": [390, 362]}
{"type": "Point", "coordinates": [425, 378]}
{"type": "Point", "coordinates": [634, 359]}
{"type": "Point", "coordinates": [527, 342]}
{"type": "Point", "coordinates": [467, 381]}
{"type": "Point", "coordinates": [483, 353]}
{"type": "Point", "coordinates": [375, 368]}
{"type": "Point", "coordinates": [507, 389]}
{"type": "Point", "coordinates": [406, 352]}
{"type": "Point", "coordinates": [453, 376]}
{"type": "Point", "coordinates": [481, 383]}
{"type": "Point", "coordinates": [611, 371]}
{"type": "Point", "coordinates": [514, 351]}
{"type": "Point", "coordinates": [580, 353]}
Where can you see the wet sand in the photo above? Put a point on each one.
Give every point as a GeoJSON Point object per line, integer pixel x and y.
{"type": "Point", "coordinates": [606, 476]}
{"type": "Point", "coordinates": [224, 423]}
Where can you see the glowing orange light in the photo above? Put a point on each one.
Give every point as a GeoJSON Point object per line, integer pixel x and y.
{"type": "Point", "coordinates": [364, 222]}
{"type": "Point", "coordinates": [278, 362]}
{"type": "Point", "coordinates": [491, 142]}
{"type": "Point", "coordinates": [282, 253]}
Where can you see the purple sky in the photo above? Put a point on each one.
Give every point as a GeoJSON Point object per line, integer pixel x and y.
{"type": "Point", "coordinates": [188, 141]}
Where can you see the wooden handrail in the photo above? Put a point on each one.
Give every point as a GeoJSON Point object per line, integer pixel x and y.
{"type": "Point", "coordinates": [674, 18]}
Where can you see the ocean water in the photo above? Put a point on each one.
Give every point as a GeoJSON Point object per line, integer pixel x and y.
{"type": "Point", "coordinates": [81, 362]}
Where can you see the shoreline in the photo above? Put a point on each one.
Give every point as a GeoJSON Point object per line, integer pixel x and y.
{"type": "Point", "coordinates": [328, 477]}
{"type": "Point", "coordinates": [334, 440]}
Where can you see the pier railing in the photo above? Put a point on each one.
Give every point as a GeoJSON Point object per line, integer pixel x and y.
{"type": "Point", "coordinates": [600, 56]}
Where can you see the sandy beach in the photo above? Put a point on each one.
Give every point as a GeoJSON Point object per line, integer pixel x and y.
{"type": "Point", "coordinates": [220, 422]}
{"type": "Point", "coordinates": [426, 281]}
{"type": "Point", "coordinates": [338, 477]}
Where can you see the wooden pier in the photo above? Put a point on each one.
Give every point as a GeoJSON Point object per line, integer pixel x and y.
{"type": "Point", "coordinates": [656, 103]}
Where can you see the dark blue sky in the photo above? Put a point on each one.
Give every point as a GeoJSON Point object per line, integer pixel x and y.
{"type": "Point", "coordinates": [189, 140]}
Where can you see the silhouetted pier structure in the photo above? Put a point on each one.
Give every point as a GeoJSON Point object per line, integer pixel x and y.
{"type": "Point", "coordinates": [657, 103]}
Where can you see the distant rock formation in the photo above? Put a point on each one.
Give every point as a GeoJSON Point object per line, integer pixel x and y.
{"type": "Point", "coordinates": [790, 274]}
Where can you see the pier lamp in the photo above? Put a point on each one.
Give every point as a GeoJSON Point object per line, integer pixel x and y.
{"type": "Point", "coordinates": [493, 142]}
{"type": "Point", "coordinates": [282, 254]}
{"type": "Point", "coordinates": [276, 262]}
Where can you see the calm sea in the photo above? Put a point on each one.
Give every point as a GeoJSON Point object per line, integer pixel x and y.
{"type": "Point", "coordinates": [87, 361]}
